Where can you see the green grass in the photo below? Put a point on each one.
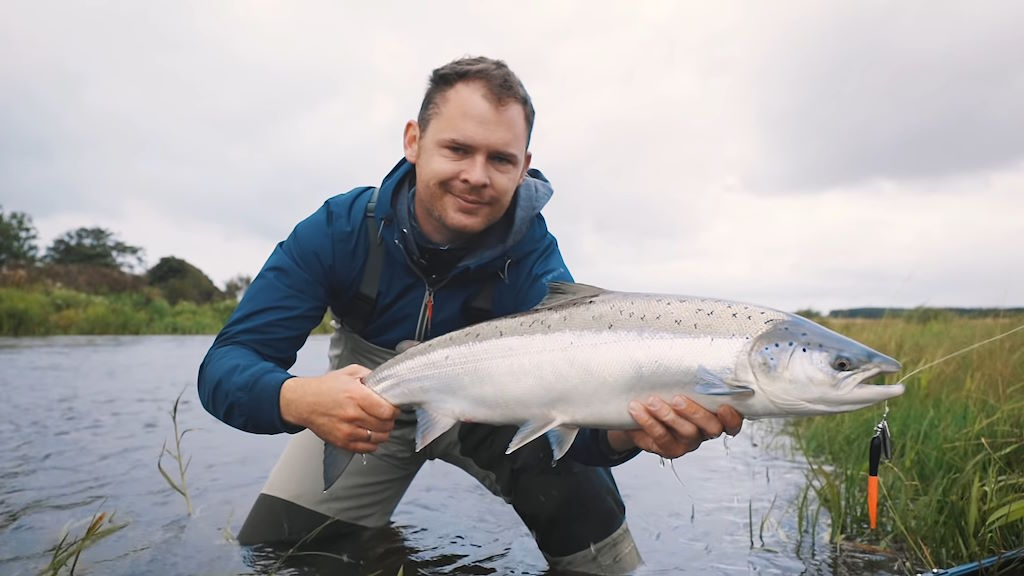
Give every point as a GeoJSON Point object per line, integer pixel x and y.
{"type": "Point", "coordinates": [954, 491]}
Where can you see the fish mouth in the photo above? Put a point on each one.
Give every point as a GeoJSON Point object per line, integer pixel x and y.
{"type": "Point", "coordinates": [857, 389]}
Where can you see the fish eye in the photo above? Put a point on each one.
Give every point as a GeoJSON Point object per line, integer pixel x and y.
{"type": "Point", "coordinates": [842, 364]}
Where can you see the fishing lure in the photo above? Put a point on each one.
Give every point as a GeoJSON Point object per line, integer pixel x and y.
{"type": "Point", "coordinates": [881, 447]}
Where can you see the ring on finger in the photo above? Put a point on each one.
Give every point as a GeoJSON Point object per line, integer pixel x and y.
{"type": "Point", "coordinates": [369, 435]}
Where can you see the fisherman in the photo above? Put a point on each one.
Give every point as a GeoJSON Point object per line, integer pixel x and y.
{"type": "Point", "coordinates": [452, 236]}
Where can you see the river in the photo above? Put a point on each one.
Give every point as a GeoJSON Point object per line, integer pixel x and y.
{"type": "Point", "coordinates": [83, 420]}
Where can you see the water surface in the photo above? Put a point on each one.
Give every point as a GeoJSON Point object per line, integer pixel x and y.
{"type": "Point", "coordinates": [83, 420]}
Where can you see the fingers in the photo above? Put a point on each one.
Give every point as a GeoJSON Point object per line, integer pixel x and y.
{"type": "Point", "coordinates": [663, 430]}
{"type": "Point", "coordinates": [706, 421]}
{"type": "Point", "coordinates": [372, 411]}
{"type": "Point", "coordinates": [361, 440]}
{"type": "Point", "coordinates": [355, 371]}
{"type": "Point", "coordinates": [673, 429]}
{"type": "Point", "coordinates": [731, 420]}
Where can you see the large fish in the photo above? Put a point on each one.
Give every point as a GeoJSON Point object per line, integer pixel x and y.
{"type": "Point", "coordinates": [580, 357]}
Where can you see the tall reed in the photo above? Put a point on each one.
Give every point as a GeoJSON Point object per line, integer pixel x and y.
{"type": "Point", "coordinates": [181, 484]}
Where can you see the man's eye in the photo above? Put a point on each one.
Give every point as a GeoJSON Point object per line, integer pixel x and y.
{"type": "Point", "coordinates": [457, 150]}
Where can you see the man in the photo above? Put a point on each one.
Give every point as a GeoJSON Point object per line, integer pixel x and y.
{"type": "Point", "coordinates": [454, 234]}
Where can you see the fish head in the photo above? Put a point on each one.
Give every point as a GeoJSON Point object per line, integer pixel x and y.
{"type": "Point", "coordinates": [805, 368]}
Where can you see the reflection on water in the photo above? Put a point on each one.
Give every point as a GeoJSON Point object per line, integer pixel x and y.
{"type": "Point", "coordinates": [83, 420]}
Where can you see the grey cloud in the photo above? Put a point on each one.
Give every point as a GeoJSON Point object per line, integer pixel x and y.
{"type": "Point", "coordinates": [848, 93]}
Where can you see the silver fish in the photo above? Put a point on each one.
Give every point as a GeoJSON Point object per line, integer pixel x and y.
{"type": "Point", "coordinates": [580, 357]}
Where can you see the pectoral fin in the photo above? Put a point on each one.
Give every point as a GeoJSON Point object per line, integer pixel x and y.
{"type": "Point", "coordinates": [430, 425]}
{"type": "Point", "coordinates": [711, 384]}
{"type": "Point", "coordinates": [529, 431]}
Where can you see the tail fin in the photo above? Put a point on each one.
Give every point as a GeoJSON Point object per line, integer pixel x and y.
{"type": "Point", "coordinates": [335, 462]}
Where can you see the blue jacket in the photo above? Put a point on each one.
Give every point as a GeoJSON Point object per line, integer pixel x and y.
{"type": "Point", "coordinates": [320, 265]}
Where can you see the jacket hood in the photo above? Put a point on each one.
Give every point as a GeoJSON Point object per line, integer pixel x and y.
{"type": "Point", "coordinates": [530, 198]}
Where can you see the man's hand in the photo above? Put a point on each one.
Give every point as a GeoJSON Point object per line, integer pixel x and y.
{"type": "Point", "coordinates": [339, 409]}
{"type": "Point", "coordinates": [673, 429]}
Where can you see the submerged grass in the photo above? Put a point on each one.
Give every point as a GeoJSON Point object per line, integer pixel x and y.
{"type": "Point", "coordinates": [69, 549]}
{"type": "Point", "coordinates": [954, 491]}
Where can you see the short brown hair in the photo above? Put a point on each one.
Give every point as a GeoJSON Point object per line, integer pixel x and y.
{"type": "Point", "coordinates": [501, 83]}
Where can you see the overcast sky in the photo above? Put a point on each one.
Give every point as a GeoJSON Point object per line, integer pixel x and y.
{"type": "Point", "coordinates": [791, 154]}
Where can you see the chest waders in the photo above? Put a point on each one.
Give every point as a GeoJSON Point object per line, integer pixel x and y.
{"type": "Point", "coordinates": [574, 511]}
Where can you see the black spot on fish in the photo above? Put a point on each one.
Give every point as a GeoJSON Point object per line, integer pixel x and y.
{"type": "Point", "coordinates": [679, 322]}
{"type": "Point", "coordinates": [609, 325]}
{"type": "Point", "coordinates": [658, 317]}
{"type": "Point", "coordinates": [776, 344]}
{"type": "Point", "coordinates": [694, 325]}
{"type": "Point", "coordinates": [749, 318]}
{"type": "Point", "coordinates": [734, 314]}
{"type": "Point", "coordinates": [712, 313]}
{"type": "Point", "coordinates": [643, 317]}
{"type": "Point", "coordinates": [804, 349]}
{"type": "Point", "coordinates": [791, 344]}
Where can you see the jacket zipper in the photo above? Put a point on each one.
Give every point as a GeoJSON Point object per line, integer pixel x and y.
{"type": "Point", "coordinates": [426, 315]}
{"type": "Point", "coordinates": [427, 308]}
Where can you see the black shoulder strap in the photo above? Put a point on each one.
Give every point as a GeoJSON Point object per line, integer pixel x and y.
{"type": "Point", "coordinates": [361, 307]}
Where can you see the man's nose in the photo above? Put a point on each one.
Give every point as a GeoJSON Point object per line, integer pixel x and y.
{"type": "Point", "coordinates": [475, 172]}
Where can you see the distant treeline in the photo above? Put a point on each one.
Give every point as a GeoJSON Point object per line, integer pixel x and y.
{"type": "Point", "coordinates": [925, 314]}
{"type": "Point", "coordinates": [88, 281]}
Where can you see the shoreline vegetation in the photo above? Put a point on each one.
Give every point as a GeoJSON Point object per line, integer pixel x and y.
{"type": "Point", "coordinates": [52, 300]}
{"type": "Point", "coordinates": [954, 490]}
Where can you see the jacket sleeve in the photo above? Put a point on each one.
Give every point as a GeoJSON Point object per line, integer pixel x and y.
{"type": "Point", "coordinates": [540, 266]}
{"type": "Point", "coordinates": [240, 379]}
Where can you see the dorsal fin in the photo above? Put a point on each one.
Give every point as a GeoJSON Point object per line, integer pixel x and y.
{"type": "Point", "coordinates": [562, 292]}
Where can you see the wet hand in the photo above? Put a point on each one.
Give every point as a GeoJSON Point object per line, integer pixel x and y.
{"type": "Point", "coordinates": [671, 429]}
{"type": "Point", "coordinates": [339, 409]}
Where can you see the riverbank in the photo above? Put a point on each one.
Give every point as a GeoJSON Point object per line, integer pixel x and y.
{"type": "Point", "coordinates": [954, 491]}
{"type": "Point", "coordinates": [46, 311]}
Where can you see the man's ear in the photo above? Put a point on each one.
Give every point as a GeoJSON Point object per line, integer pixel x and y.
{"type": "Point", "coordinates": [526, 166]}
{"type": "Point", "coordinates": [411, 141]}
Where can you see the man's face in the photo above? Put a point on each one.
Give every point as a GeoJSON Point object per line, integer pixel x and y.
{"type": "Point", "coordinates": [469, 161]}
